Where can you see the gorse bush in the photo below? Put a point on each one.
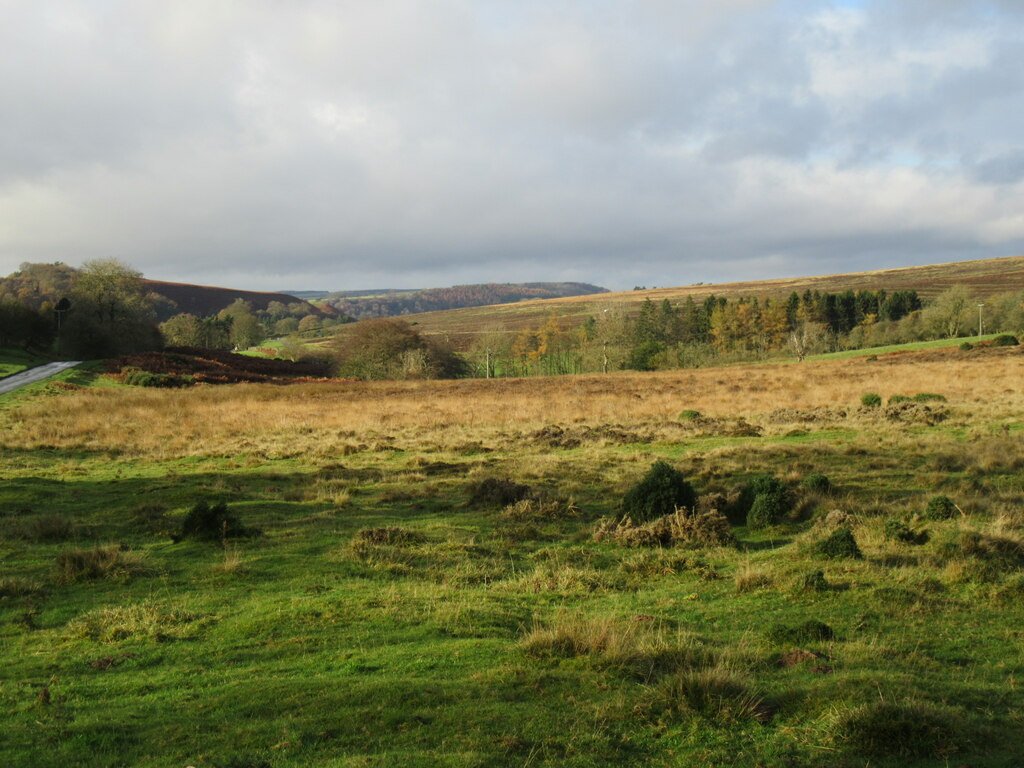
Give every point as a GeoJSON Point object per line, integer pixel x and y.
{"type": "Point", "coordinates": [817, 483]}
{"type": "Point", "coordinates": [1005, 340]}
{"type": "Point", "coordinates": [896, 399]}
{"type": "Point", "coordinates": [895, 530]}
{"type": "Point", "coordinates": [871, 400]}
{"type": "Point", "coordinates": [498, 492]}
{"type": "Point", "coordinates": [928, 397]}
{"type": "Point", "coordinates": [840, 544]}
{"type": "Point", "coordinates": [764, 501]}
{"type": "Point", "coordinates": [661, 491]}
{"type": "Point", "coordinates": [810, 631]}
{"type": "Point", "coordinates": [814, 582]}
{"type": "Point", "coordinates": [940, 508]}
{"type": "Point", "coordinates": [213, 523]}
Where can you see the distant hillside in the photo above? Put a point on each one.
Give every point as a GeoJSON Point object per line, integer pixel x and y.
{"type": "Point", "coordinates": [984, 278]}
{"type": "Point", "coordinates": [203, 300]}
{"type": "Point", "coordinates": [391, 302]}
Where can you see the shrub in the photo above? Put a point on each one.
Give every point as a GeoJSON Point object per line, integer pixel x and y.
{"type": "Point", "coordinates": [137, 378]}
{"type": "Point", "coordinates": [929, 397]}
{"type": "Point", "coordinates": [766, 510]}
{"type": "Point", "coordinates": [815, 582]}
{"type": "Point", "coordinates": [110, 561]}
{"type": "Point", "coordinates": [895, 530]}
{"type": "Point", "coordinates": [1005, 340]}
{"type": "Point", "coordinates": [763, 501]}
{"type": "Point", "coordinates": [895, 399]}
{"type": "Point", "coordinates": [839, 544]}
{"type": "Point", "coordinates": [871, 400]}
{"type": "Point", "coordinates": [817, 483]}
{"type": "Point", "coordinates": [661, 491]}
{"type": "Point", "coordinates": [940, 508]}
{"type": "Point", "coordinates": [213, 523]}
{"type": "Point", "coordinates": [912, 729]}
{"type": "Point", "coordinates": [810, 631]}
{"type": "Point", "coordinates": [689, 415]}
{"type": "Point", "coordinates": [498, 492]}
{"type": "Point", "coordinates": [966, 346]}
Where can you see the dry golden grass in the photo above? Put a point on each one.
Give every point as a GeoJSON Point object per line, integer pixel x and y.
{"type": "Point", "coordinates": [336, 418]}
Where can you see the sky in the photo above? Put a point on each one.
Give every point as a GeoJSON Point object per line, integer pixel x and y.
{"type": "Point", "coordinates": [349, 144]}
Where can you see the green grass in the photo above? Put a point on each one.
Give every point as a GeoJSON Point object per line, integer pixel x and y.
{"type": "Point", "coordinates": [909, 347]}
{"type": "Point", "coordinates": [303, 647]}
{"type": "Point", "coordinates": [15, 361]}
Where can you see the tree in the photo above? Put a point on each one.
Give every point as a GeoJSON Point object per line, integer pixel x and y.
{"type": "Point", "coordinates": [389, 348]}
{"type": "Point", "coordinates": [949, 313]}
{"type": "Point", "coordinates": [110, 313]}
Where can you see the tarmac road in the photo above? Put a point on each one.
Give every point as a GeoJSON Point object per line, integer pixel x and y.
{"type": "Point", "coordinates": [32, 375]}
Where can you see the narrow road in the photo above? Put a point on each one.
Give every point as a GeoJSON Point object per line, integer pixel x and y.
{"type": "Point", "coordinates": [32, 375]}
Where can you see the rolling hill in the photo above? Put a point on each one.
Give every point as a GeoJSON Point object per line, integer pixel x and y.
{"type": "Point", "coordinates": [202, 300]}
{"type": "Point", "coordinates": [984, 278]}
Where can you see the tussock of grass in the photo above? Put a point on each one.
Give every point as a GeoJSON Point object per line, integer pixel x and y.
{"type": "Point", "coordinates": [538, 510]}
{"type": "Point", "coordinates": [681, 528]}
{"type": "Point", "coordinates": [716, 693]}
{"type": "Point", "coordinates": [641, 647]}
{"type": "Point", "coordinates": [19, 586]}
{"type": "Point", "coordinates": [112, 561]}
{"type": "Point", "coordinates": [151, 621]}
{"type": "Point", "coordinates": [750, 578]}
{"type": "Point", "coordinates": [44, 528]}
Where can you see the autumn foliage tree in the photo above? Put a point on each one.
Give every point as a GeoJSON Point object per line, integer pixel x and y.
{"type": "Point", "coordinates": [389, 348]}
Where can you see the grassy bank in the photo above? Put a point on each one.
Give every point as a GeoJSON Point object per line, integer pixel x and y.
{"type": "Point", "coordinates": [395, 609]}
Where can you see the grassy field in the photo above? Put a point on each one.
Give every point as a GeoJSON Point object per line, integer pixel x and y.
{"type": "Point", "coordinates": [15, 361]}
{"type": "Point", "coordinates": [399, 606]}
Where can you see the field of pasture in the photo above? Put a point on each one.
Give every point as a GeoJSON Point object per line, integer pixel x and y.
{"type": "Point", "coordinates": [439, 573]}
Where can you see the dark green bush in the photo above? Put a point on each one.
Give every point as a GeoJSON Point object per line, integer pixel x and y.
{"type": "Point", "coordinates": [213, 523]}
{"type": "Point", "coordinates": [898, 531]}
{"type": "Point", "coordinates": [137, 378]}
{"type": "Point", "coordinates": [689, 415]}
{"type": "Point", "coordinates": [871, 400]}
{"type": "Point", "coordinates": [661, 491]}
{"type": "Point", "coordinates": [929, 397]}
{"type": "Point", "coordinates": [817, 483]}
{"type": "Point", "coordinates": [966, 346]}
{"type": "Point", "coordinates": [1005, 340]}
{"type": "Point", "coordinates": [766, 511]}
{"type": "Point", "coordinates": [808, 632]}
{"type": "Point", "coordinates": [940, 508]}
{"type": "Point", "coordinates": [763, 502]}
{"type": "Point", "coordinates": [898, 399]}
{"type": "Point", "coordinates": [498, 491]}
{"type": "Point", "coordinates": [840, 544]}
{"type": "Point", "coordinates": [815, 582]}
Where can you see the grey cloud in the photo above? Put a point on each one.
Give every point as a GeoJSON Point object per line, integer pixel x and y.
{"type": "Point", "coordinates": [406, 142]}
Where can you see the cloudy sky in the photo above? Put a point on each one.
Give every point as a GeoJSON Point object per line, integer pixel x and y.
{"type": "Point", "coordinates": [316, 144]}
